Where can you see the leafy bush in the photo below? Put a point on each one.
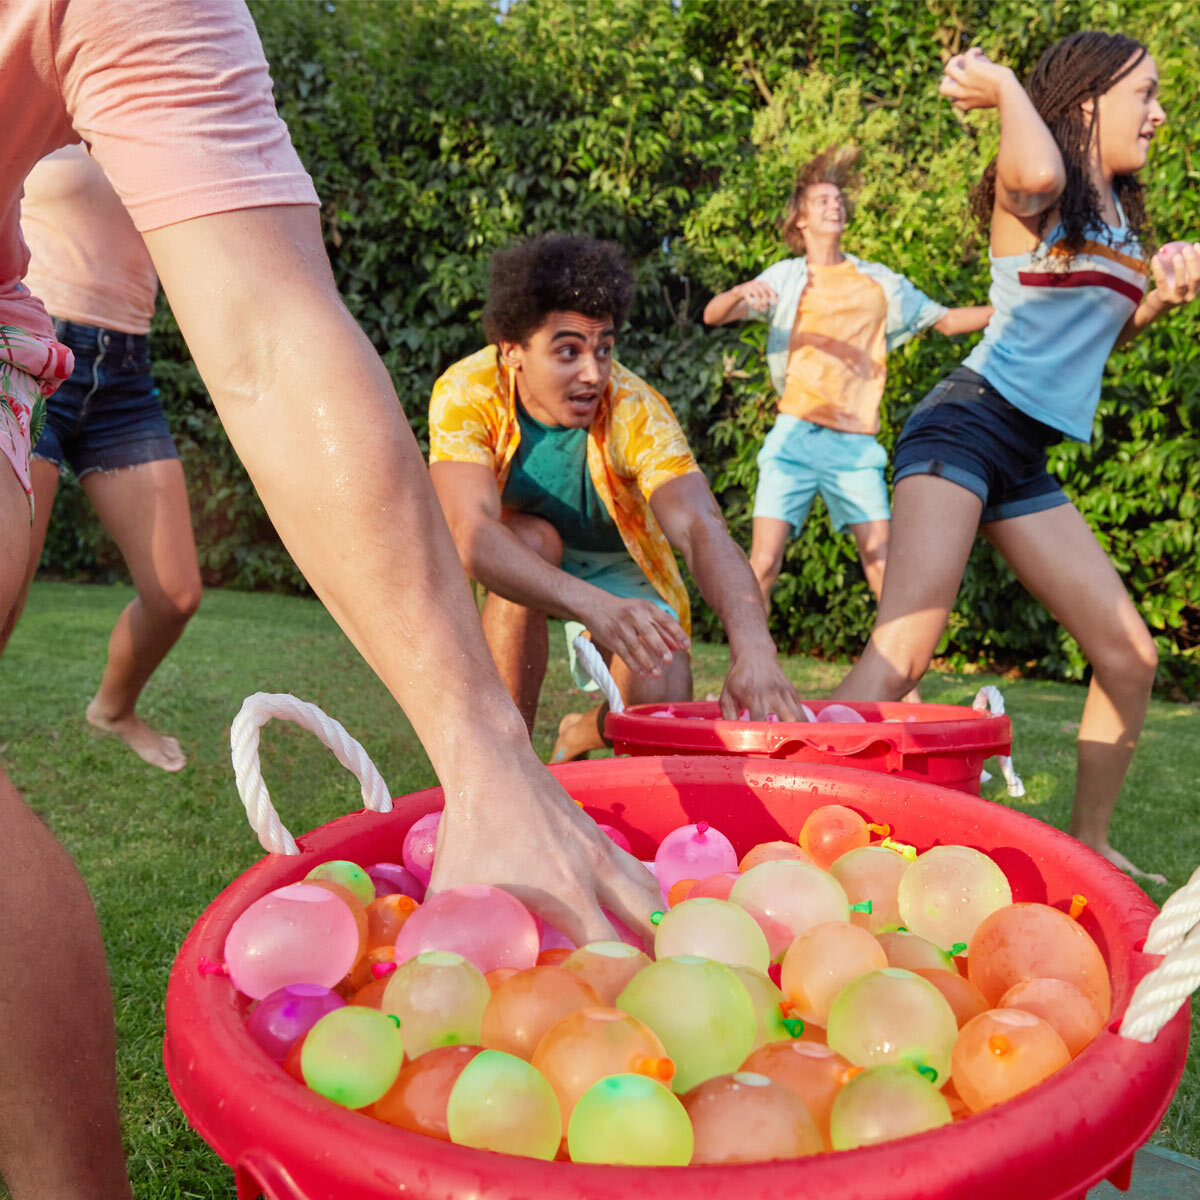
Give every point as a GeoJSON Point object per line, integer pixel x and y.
{"type": "Point", "coordinates": [438, 132]}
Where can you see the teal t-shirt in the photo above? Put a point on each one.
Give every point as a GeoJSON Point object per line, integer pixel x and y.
{"type": "Point", "coordinates": [549, 478]}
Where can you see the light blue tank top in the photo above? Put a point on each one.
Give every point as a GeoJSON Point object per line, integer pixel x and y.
{"type": "Point", "coordinates": [1056, 321]}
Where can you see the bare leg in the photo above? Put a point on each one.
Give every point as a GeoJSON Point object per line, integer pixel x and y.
{"type": "Point", "coordinates": [145, 508]}
{"type": "Point", "coordinates": [1056, 556]}
{"type": "Point", "coordinates": [767, 544]}
{"type": "Point", "coordinates": [933, 528]}
{"type": "Point", "coordinates": [871, 537]}
{"type": "Point", "coordinates": [579, 733]}
{"type": "Point", "coordinates": [44, 477]}
{"type": "Point", "coordinates": [517, 636]}
{"type": "Point", "coordinates": [60, 1135]}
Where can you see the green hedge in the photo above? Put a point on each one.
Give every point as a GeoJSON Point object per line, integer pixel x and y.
{"type": "Point", "coordinates": [438, 131]}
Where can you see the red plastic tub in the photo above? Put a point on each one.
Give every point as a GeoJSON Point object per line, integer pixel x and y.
{"type": "Point", "coordinates": [945, 744]}
{"type": "Point", "coordinates": [1052, 1143]}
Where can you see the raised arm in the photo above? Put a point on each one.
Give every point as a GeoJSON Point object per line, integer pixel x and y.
{"type": "Point", "coordinates": [1030, 175]}
{"type": "Point", "coordinates": [640, 632]}
{"type": "Point", "coordinates": [689, 516]}
{"type": "Point", "coordinates": [310, 408]}
{"type": "Point", "coordinates": [965, 320]}
{"type": "Point", "coordinates": [739, 302]}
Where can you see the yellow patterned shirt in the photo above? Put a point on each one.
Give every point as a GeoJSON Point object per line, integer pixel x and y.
{"type": "Point", "coordinates": [634, 445]}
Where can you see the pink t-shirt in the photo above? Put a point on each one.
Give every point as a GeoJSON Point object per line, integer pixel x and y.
{"type": "Point", "coordinates": [87, 261]}
{"type": "Point", "coordinates": [173, 98]}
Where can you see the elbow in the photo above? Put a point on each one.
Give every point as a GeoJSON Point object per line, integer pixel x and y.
{"type": "Point", "coordinates": [1035, 190]}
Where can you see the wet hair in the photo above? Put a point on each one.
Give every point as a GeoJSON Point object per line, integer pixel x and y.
{"type": "Point", "coordinates": [555, 273]}
{"type": "Point", "coordinates": [1080, 67]}
{"type": "Point", "coordinates": [835, 164]}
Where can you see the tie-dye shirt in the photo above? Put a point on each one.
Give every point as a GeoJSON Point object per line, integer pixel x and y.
{"type": "Point", "coordinates": [634, 445]}
{"type": "Point", "coordinates": [1057, 319]}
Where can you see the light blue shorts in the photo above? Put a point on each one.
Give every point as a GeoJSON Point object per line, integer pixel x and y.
{"type": "Point", "coordinates": [617, 574]}
{"type": "Point", "coordinates": [798, 459]}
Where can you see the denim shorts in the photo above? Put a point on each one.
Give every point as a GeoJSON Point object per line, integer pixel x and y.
{"type": "Point", "coordinates": [798, 459]}
{"type": "Point", "coordinates": [966, 432]}
{"type": "Point", "coordinates": [613, 572]}
{"type": "Point", "coordinates": [107, 415]}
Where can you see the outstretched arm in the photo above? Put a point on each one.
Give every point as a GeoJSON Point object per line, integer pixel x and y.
{"type": "Point", "coordinates": [309, 407]}
{"type": "Point", "coordinates": [1181, 286]}
{"type": "Point", "coordinates": [689, 516]}
{"type": "Point", "coordinates": [741, 301]}
{"type": "Point", "coordinates": [639, 631]}
{"type": "Point", "coordinates": [965, 320]}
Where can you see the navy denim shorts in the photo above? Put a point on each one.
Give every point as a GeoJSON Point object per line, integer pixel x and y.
{"type": "Point", "coordinates": [965, 431]}
{"type": "Point", "coordinates": [107, 415]}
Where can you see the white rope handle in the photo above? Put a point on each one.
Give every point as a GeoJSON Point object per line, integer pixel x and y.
{"type": "Point", "coordinates": [1175, 932]}
{"type": "Point", "coordinates": [255, 712]}
{"type": "Point", "coordinates": [595, 666]}
{"type": "Point", "coordinates": [989, 697]}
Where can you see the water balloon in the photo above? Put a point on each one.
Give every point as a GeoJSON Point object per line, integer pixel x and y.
{"type": "Point", "coordinates": [630, 1119]}
{"type": "Point", "coordinates": [1004, 1052]}
{"type": "Point", "coordinates": [796, 894]}
{"type": "Point", "coordinates": [948, 891]}
{"type": "Point", "coordinates": [607, 967]}
{"type": "Point", "coordinates": [440, 998]}
{"type": "Point", "coordinates": [885, 1102]}
{"type": "Point", "coordinates": [822, 961]}
{"type": "Point", "coordinates": [352, 1055]}
{"type": "Point", "coordinates": [872, 873]}
{"type": "Point", "coordinates": [713, 929]}
{"type": "Point", "coordinates": [524, 1007]}
{"type": "Point", "coordinates": [747, 1117]}
{"type": "Point", "coordinates": [484, 924]}
{"type": "Point", "coordinates": [830, 831]}
{"type": "Point", "coordinates": [418, 1098]}
{"type": "Point", "coordinates": [287, 1014]}
{"type": "Point", "coordinates": [692, 852]}
{"type": "Point", "coordinates": [499, 1102]}
{"type": "Point", "coordinates": [420, 842]}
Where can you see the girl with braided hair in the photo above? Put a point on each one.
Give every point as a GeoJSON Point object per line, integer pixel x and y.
{"type": "Point", "coordinates": [1069, 281]}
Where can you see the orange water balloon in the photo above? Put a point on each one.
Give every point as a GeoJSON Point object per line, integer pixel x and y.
{"type": "Point", "coordinates": [822, 960]}
{"type": "Point", "coordinates": [679, 891]}
{"type": "Point", "coordinates": [591, 1043]}
{"type": "Point", "coordinates": [1070, 1013]}
{"type": "Point", "coordinates": [717, 886]}
{"type": "Point", "coordinates": [831, 831]}
{"type": "Point", "coordinates": [1002, 1053]}
{"type": "Point", "coordinates": [371, 994]}
{"type": "Point", "coordinates": [554, 956]}
{"type": "Point", "coordinates": [500, 975]}
{"type": "Point", "coordinates": [524, 1007]}
{"type": "Point", "coordinates": [813, 1072]}
{"type": "Point", "coordinates": [385, 918]}
{"type": "Point", "coordinates": [607, 967]}
{"type": "Point", "coordinates": [913, 953]}
{"type": "Point", "coordinates": [1034, 941]}
{"type": "Point", "coordinates": [769, 851]}
{"type": "Point", "coordinates": [417, 1100]}
{"type": "Point", "coordinates": [964, 998]}
{"type": "Point", "coordinates": [363, 971]}
{"type": "Point", "coordinates": [748, 1117]}
{"type": "Point", "coordinates": [872, 873]}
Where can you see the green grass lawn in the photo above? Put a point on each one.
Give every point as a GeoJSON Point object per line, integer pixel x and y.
{"type": "Point", "coordinates": [156, 849]}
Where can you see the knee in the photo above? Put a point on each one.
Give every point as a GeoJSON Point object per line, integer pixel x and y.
{"type": "Point", "coordinates": [905, 663]}
{"type": "Point", "coordinates": [175, 602]}
{"type": "Point", "coordinates": [766, 564]}
{"type": "Point", "coordinates": [1130, 660]}
{"type": "Point", "coordinates": [538, 535]}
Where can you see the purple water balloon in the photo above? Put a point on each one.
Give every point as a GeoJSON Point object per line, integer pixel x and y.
{"type": "Point", "coordinates": [484, 924]}
{"type": "Point", "coordinates": [693, 852]}
{"type": "Point", "coordinates": [419, 845]}
{"type": "Point", "coordinates": [296, 934]}
{"type": "Point", "coordinates": [289, 1013]}
{"type": "Point", "coordinates": [392, 879]}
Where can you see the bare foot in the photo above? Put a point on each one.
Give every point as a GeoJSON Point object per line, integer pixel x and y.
{"type": "Point", "coordinates": [1119, 860]}
{"type": "Point", "coordinates": [158, 749]}
{"type": "Point", "coordinates": [578, 733]}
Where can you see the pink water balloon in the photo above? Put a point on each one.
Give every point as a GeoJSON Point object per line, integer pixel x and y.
{"type": "Point", "coordinates": [617, 836]}
{"type": "Point", "coordinates": [1167, 254]}
{"type": "Point", "coordinates": [419, 844]}
{"type": "Point", "coordinates": [296, 934]}
{"type": "Point", "coordinates": [841, 714]}
{"type": "Point", "coordinates": [484, 924]}
{"type": "Point", "coordinates": [693, 852]}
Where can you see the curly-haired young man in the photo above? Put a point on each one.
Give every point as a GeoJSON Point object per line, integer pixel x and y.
{"type": "Point", "coordinates": [568, 484]}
